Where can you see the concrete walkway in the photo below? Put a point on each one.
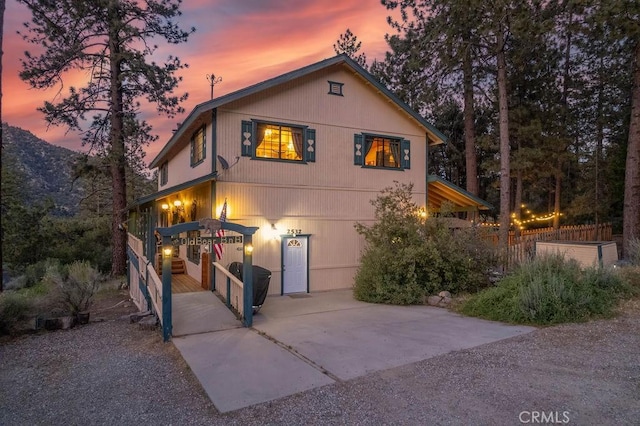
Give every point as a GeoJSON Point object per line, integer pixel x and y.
{"type": "Point", "coordinates": [303, 341]}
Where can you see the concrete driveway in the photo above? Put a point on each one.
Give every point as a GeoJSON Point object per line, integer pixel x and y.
{"type": "Point", "coordinates": [299, 342]}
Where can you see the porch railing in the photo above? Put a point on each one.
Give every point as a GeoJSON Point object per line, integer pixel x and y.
{"type": "Point", "coordinates": [145, 286]}
{"type": "Point", "coordinates": [229, 288]}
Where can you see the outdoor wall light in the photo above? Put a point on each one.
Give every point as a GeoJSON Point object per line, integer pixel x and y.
{"type": "Point", "coordinates": [167, 251]}
{"type": "Point", "coordinates": [177, 203]}
{"type": "Point", "coordinates": [165, 206]}
{"type": "Point", "coordinates": [273, 232]}
{"type": "Point", "coordinates": [248, 249]}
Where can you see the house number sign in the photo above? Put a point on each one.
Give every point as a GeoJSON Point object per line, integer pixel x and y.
{"type": "Point", "coordinates": [294, 231]}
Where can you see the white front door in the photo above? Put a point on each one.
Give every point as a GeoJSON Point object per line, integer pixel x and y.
{"type": "Point", "coordinates": [295, 271]}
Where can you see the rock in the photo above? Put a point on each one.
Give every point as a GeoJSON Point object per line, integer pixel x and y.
{"type": "Point", "coordinates": [137, 316]}
{"type": "Point", "coordinates": [434, 300]}
{"type": "Point", "coordinates": [440, 300]}
{"type": "Point", "coordinates": [148, 323]}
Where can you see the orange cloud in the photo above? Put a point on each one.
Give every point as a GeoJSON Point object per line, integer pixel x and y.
{"type": "Point", "coordinates": [244, 42]}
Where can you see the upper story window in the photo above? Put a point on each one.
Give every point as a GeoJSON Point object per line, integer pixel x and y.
{"type": "Point", "coordinates": [277, 141]}
{"type": "Point", "coordinates": [198, 147]}
{"type": "Point", "coordinates": [164, 173]}
{"type": "Point", "coordinates": [281, 142]}
{"type": "Point", "coordinates": [383, 152]}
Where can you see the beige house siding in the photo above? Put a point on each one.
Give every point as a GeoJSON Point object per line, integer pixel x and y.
{"type": "Point", "coordinates": [325, 198]}
{"type": "Point", "coordinates": [322, 199]}
{"type": "Point", "coordinates": [327, 215]}
{"type": "Point", "coordinates": [307, 103]}
{"type": "Point", "coordinates": [180, 169]}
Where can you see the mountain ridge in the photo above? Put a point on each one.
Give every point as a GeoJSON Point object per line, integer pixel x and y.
{"type": "Point", "coordinates": [47, 168]}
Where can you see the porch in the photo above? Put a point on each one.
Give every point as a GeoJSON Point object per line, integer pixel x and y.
{"type": "Point", "coordinates": [197, 310]}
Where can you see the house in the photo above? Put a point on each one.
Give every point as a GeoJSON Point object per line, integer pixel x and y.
{"type": "Point", "coordinates": [300, 157]}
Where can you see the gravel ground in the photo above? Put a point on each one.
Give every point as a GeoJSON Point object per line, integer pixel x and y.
{"type": "Point", "coordinates": [116, 373]}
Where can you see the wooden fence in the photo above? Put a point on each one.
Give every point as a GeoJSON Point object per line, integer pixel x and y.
{"type": "Point", "coordinates": [522, 243]}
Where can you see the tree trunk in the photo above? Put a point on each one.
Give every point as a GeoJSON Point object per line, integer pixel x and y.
{"type": "Point", "coordinates": [505, 180]}
{"type": "Point", "coordinates": [2, 7]}
{"type": "Point", "coordinates": [556, 196]}
{"type": "Point", "coordinates": [518, 202]}
{"type": "Point", "coordinates": [631, 209]}
{"type": "Point", "coordinates": [117, 158]}
{"type": "Point", "coordinates": [469, 127]}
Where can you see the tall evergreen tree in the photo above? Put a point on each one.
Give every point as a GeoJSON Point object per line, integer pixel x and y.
{"type": "Point", "coordinates": [443, 34]}
{"type": "Point", "coordinates": [113, 41]}
{"type": "Point", "coordinates": [349, 44]}
{"type": "Point", "coordinates": [2, 8]}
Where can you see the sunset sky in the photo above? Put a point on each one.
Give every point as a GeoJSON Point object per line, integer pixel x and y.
{"type": "Point", "coordinates": [242, 41]}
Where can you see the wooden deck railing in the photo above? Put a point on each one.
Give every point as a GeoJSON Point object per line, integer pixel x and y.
{"type": "Point", "coordinates": [230, 289]}
{"type": "Point", "coordinates": [145, 286]}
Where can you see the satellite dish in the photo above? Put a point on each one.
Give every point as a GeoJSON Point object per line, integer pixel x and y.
{"type": "Point", "coordinates": [223, 162]}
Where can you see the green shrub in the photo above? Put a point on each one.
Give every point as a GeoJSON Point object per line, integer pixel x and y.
{"type": "Point", "coordinates": [33, 273]}
{"type": "Point", "coordinates": [549, 290]}
{"type": "Point", "coordinates": [408, 257]}
{"type": "Point", "coordinates": [74, 287]}
{"type": "Point", "coordinates": [13, 309]}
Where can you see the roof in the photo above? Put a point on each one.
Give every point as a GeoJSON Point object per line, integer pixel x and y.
{"type": "Point", "coordinates": [301, 72]}
{"type": "Point", "coordinates": [441, 191]}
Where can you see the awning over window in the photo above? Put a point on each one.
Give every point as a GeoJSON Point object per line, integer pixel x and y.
{"type": "Point", "coordinates": [441, 191]}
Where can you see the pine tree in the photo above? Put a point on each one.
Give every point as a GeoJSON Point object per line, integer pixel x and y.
{"type": "Point", "coordinates": [349, 44]}
{"type": "Point", "coordinates": [112, 40]}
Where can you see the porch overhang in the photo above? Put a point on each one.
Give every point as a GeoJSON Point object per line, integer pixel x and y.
{"type": "Point", "coordinates": [441, 191]}
{"type": "Point", "coordinates": [177, 188]}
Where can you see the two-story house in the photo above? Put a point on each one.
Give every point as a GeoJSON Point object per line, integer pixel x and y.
{"type": "Point", "coordinates": [300, 156]}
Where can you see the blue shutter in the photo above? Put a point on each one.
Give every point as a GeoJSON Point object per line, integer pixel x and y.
{"type": "Point", "coordinates": [358, 149]}
{"type": "Point", "coordinates": [191, 152]}
{"type": "Point", "coordinates": [405, 154]}
{"type": "Point", "coordinates": [310, 151]}
{"type": "Point", "coordinates": [247, 139]}
{"type": "Point", "coordinates": [204, 142]}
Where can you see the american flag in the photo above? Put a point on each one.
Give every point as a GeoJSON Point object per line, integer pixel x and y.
{"type": "Point", "coordinates": [220, 232]}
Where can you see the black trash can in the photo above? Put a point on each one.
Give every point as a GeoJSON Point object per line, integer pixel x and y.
{"type": "Point", "coordinates": [261, 279]}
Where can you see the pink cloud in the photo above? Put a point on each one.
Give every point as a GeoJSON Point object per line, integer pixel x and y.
{"type": "Point", "coordinates": [244, 42]}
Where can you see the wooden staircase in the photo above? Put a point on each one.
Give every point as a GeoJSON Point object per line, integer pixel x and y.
{"type": "Point", "coordinates": [178, 266]}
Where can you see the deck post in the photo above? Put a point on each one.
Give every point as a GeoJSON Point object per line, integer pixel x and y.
{"type": "Point", "coordinates": [247, 280]}
{"type": "Point", "coordinates": [167, 254]}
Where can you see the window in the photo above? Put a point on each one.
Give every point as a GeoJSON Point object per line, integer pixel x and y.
{"type": "Point", "coordinates": [275, 141]}
{"type": "Point", "coordinates": [164, 173]}
{"type": "Point", "coordinates": [281, 142]}
{"type": "Point", "coordinates": [382, 152]}
{"type": "Point", "coordinates": [335, 88]}
{"type": "Point", "coordinates": [193, 250]}
{"type": "Point", "coordinates": [198, 146]}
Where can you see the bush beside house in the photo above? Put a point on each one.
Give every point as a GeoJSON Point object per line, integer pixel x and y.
{"type": "Point", "coordinates": [409, 256]}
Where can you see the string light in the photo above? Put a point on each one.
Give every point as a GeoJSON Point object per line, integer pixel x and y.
{"type": "Point", "coordinates": [521, 224]}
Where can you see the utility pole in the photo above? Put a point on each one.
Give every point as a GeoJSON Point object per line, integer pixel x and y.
{"type": "Point", "coordinates": [213, 80]}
